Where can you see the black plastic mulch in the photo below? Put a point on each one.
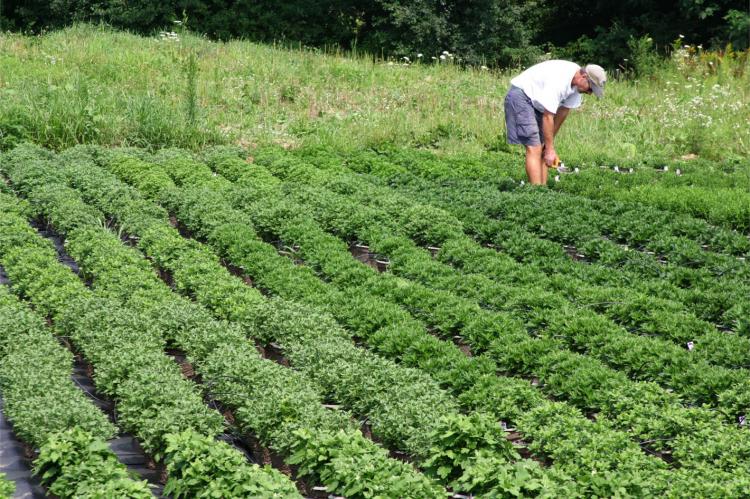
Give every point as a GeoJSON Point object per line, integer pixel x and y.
{"type": "Point", "coordinates": [14, 463]}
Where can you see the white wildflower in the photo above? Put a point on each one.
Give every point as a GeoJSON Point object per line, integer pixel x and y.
{"type": "Point", "coordinates": [170, 36]}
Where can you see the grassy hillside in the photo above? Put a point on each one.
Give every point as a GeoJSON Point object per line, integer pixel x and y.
{"type": "Point", "coordinates": [94, 85]}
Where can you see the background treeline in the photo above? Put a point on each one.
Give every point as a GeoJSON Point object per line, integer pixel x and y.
{"type": "Point", "coordinates": [491, 32]}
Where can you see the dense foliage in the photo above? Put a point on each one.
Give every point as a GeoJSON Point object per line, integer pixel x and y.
{"type": "Point", "coordinates": [621, 368]}
{"type": "Point", "coordinates": [75, 464]}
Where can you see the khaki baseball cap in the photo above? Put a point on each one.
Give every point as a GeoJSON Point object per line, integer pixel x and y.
{"type": "Point", "coordinates": [597, 78]}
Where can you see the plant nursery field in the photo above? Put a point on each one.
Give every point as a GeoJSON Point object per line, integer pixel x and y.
{"type": "Point", "coordinates": [268, 322]}
{"type": "Point", "coordinates": [230, 270]}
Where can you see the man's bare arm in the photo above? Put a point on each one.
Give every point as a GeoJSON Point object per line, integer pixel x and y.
{"type": "Point", "coordinates": [548, 131]}
{"type": "Point", "coordinates": [562, 113]}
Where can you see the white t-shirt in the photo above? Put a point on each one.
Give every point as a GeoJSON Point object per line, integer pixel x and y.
{"type": "Point", "coordinates": [548, 86]}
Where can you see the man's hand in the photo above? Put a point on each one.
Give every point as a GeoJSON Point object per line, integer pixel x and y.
{"type": "Point", "coordinates": [550, 156]}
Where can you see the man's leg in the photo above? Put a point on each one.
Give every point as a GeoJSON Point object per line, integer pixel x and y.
{"type": "Point", "coordinates": [535, 169]}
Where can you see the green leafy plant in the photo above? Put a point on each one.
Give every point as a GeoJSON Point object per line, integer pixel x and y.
{"type": "Point", "coordinates": [6, 487]}
{"type": "Point", "coordinates": [199, 466]}
{"type": "Point", "coordinates": [457, 440]}
{"type": "Point", "coordinates": [75, 464]}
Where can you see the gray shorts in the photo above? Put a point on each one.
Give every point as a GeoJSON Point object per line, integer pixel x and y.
{"type": "Point", "coordinates": [522, 121]}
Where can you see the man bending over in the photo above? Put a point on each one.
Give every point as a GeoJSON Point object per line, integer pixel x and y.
{"type": "Point", "coordinates": [538, 103]}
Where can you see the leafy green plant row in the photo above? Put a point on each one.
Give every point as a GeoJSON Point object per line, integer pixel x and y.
{"type": "Point", "coordinates": [682, 240]}
{"type": "Point", "coordinates": [676, 288]}
{"type": "Point", "coordinates": [361, 311]}
{"type": "Point", "coordinates": [698, 172]}
{"type": "Point", "coordinates": [506, 173]}
{"type": "Point", "coordinates": [332, 255]}
{"type": "Point", "coordinates": [635, 224]}
{"type": "Point", "coordinates": [211, 213]}
{"type": "Point", "coordinates": [44, 406]}
{"type": "Point", "coordinates": [704, 173]}
{"type": "Point", "coordinates": [325, 353]}
{"type": "Point", "coordinates": [206, 212]}
{"type": "Point", "coordinates": [729, 207]}
{"type": "Point", "coordinates": [668, 311]}
{"type": "Point", "coordinates": [629, 222]}
{"type": "Point", "coordinates": [704, 191]}
{"type": "Point", "coordinates": [634, 310]}
{"type": "Point", "coordinates": [339, 215]}
{"type": "Point", "coordinates": [42, 402]}
{"type": "Point", "coordinates": [198, 466]}
{"type": "Point", "coordinates": [287, 413]}
{"type": "Point", "coordinates": [141, 378]}
{"type": "Point", "coordinates": [703, 278]}
{"type": "Point", "coordinates": [35, 370]}
{"type": "Point", "coordinates": [142, 174]}
{"type": "Point", "coordinates": [698, 423]}
{"type": "Point", "coordinates": [153, 398]}
{"type": "Point", "coordinates": [233, 230]}
{"type": "Point", "coordinates": [720, 299]}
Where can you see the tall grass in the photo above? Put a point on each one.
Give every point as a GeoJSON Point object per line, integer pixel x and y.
{"type": "Point", "coordinates": [90, 84]}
